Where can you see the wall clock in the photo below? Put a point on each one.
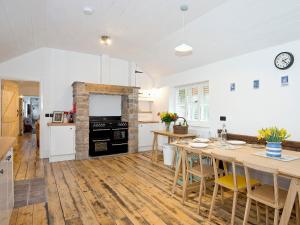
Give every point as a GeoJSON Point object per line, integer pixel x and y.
{"type": "Point", "coordinates": [284, 60]}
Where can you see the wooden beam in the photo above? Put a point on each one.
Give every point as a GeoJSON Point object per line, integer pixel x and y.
{"type": "Point", "coordinates": [108, 89]}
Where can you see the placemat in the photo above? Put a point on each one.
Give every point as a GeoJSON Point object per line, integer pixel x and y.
{"type": "Point", "coordinates": [285, 158]}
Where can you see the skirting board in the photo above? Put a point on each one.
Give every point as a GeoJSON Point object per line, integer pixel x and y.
{"type": "Point", "coordinates": [148, 148]}
{"type": "Point", "coordinates": [57, 158]}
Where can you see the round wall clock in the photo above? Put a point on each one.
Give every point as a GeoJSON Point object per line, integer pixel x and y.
{"type": "Point", "coordinates": [284, 60]}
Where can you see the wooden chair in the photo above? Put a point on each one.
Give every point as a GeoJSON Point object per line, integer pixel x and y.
{"type": "Point", "coordinates": [231, 181]}
{"type": "Point", "coordinates": [270, 196]}
{"type": "Point", "coordinates": [201, 170]}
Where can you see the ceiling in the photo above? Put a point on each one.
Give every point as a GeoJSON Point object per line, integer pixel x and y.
{"type": "Point", "coordinates": [147, 31]}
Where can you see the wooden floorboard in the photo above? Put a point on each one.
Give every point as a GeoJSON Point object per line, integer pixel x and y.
{"type": "Point", "coordinates": [124, 190]}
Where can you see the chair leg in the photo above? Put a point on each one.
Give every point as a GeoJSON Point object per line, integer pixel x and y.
{"type": "Point", "coordinates": [297, 208]}
{"type": "Point", "coordinates": [276, 216]}
{"type": "Point", "coordinates": [222, 195]}
{"type": "Point", "coordinates": [200, 193]}
{"type": "Point", "coordinates": [204, 186]}
{"type": "Point", "coordinates": [235, 195]}
{"type": "Point", "coordinates": [257, 213]}
{"type": "Point", "coordinates": [185, 186]}
{"type": "Point", "coordinates": [213, 201]}
{"type": "Point", "coordinates": [247, 211]}
{"type": "Point", "coordinates": [176, 173]}
{"type": "Point", "coordinates": [267, 215]}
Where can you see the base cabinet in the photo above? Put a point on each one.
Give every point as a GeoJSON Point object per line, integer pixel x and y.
{"type": "Point", "coordinates": [62, 143]}
{"type": "Point", "coordinates": [6, 188]}
{"type": "Point", "coordinates": [146, 135]}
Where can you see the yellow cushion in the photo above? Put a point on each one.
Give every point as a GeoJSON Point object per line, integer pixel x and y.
{"type": "Point", "coordinates": [227, 181]}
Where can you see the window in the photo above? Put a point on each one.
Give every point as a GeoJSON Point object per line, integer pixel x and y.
{"type": "Point", "coordinates": [192, 102]}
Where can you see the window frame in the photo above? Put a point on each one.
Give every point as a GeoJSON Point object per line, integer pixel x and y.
{"type": "Point", "coordinates": [188, 103]}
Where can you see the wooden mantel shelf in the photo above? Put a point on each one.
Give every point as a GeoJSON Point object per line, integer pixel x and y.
{"type": "Point", "coordinates": [108, 89]}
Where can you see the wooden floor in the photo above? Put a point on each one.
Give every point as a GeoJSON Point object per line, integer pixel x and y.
{"type": "Point", "coordinates": [126, 189]}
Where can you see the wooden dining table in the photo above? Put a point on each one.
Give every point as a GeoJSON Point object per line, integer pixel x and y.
{"type": "Point", "coordinates": [171, 137]}
{"type": "Point", "coordinates": [246, 153]}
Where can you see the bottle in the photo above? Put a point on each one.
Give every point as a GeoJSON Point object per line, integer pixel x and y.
{"type": "Point", "coordinates": [223, 135]}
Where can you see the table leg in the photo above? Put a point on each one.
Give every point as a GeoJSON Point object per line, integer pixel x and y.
{"type": "Point", "coordinates": [290, 200]}
{"type": "Point", "coordinates": [177, 171]}
{"type": "Point", "coordinates": [174, 157]}
{"type": "Point", "coordinates": [183, 159]}
{"type": "Point", "coordinates": [154, 148]}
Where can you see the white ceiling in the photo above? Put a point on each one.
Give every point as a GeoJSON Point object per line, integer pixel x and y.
{"type": "Point", "coordinates": [147, 31]}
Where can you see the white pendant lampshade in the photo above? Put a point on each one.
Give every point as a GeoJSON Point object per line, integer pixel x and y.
{"type": "Point", "coordinates": [183, 49]}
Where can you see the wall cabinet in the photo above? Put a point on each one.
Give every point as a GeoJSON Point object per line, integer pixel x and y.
{"type": "Point", "coordinates": [6, 187]}
{"type": "Point", "coordinates": [62, 143]}
{"type": "Point", "coordinates": [146, 136]}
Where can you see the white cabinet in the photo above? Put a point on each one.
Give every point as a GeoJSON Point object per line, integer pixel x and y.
{"type": "Point", "coordinates": [146, 136]}
{"type": "Point", "coordinates": [6, 187]}
{"type": "Point", "coordinates": [62, 143]}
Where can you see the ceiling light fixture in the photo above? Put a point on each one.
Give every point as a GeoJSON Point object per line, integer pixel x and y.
{"type": "Point", "coordinates": [183, 49]}
{"type": "Point", "coordinates": [88, 10]}
{"type": "Point", "coordinates": [105, 40]}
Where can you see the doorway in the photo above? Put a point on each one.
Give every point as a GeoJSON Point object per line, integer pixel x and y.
{"type": "Point", "coordinates": [20, 109]}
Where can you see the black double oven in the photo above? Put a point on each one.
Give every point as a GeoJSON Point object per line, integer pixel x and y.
{"type": "Point", "coordinates": [108, 135]}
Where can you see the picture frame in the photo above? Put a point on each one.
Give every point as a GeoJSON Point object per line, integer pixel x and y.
{"type": "Point", "coordinates": [232, 87]}
{"type": "Point", "coordinates": [58, 117]}
{"type": "Point", "coordinates": [256, 84]}
{"type": "Point", "coordinates": [284, 81]}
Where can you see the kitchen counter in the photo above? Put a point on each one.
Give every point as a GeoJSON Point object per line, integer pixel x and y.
{"type": "Point", "coordinates": [60, 124]}
{"type": "Point", "coordinates": [5, 144]}
{"type": "Point", "coordinates": [150, 121]}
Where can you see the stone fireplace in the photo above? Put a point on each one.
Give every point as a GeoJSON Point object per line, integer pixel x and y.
{"type": "Point", "coordinates": [129, 111]}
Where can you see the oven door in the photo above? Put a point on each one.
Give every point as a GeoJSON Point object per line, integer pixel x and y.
{"type": "Point", "coordinates": [119, 147]}
{"type": "Point", "coordinates": [99, 146]}
{"type": "Point", "coordinates": [119, 139]}
{"type": "Point", "coordinates": [100, 132]}
{"type": "Point", "coordinates": [119, 135]}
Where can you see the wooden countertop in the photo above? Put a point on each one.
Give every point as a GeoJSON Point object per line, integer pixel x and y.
{"type": "Point", "coordinates": [150, 121]}
{"type": "Point", "coordinates": [60, 124]}
{"type": "Point", "coordinates": [5, 144]}
{"type": "Point", "coordinates": [171, 134]}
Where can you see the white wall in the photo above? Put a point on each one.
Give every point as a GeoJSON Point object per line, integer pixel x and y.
{"type": "Point", "coordinates": [57, 70]}
{"type": "Point", "coordinates": [105, 105]}
{"type": "Point", "coordinates": [247, 110]}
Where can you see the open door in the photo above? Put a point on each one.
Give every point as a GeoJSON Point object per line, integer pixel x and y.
{"type": "Point", "coordinates": [10, 108]}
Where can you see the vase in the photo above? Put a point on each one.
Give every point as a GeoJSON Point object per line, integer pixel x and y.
{"type": "Point", "coordinates": [167, 125]}
{"type": "Point", "coordinates": [273, 149]}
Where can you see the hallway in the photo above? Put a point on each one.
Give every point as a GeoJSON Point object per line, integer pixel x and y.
{"type": "Point", "coordinates": [27, 162]}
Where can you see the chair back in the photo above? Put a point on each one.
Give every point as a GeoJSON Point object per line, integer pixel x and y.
{"type": "Point", "coordinates": [225, 159]}
{"type": "Point", "coordinates": [274, 172]}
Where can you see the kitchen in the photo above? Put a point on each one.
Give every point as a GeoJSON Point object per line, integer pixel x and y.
{"type": "Point", "coordinates": [136, 95]}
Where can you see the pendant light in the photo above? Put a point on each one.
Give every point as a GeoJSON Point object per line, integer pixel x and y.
{"type": "Point", "coordinates": [183, 49]}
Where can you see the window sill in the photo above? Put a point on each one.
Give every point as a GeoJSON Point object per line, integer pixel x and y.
{"type": "Point", "coordinates": [202, 124]}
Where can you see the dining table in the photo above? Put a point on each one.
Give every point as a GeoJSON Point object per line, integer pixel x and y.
{"type": "Point", "coordinates": [171, 137]}
{"type": "Point", "coordinates": [248, 153]}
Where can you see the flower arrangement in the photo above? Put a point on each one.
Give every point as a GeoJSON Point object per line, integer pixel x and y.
{"type": "Point", "coordinates": [274, 138]}
{"type": "Point", "coordinates": [167, 118]}
{"type": "Point", "coordinates": [273, 134]}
